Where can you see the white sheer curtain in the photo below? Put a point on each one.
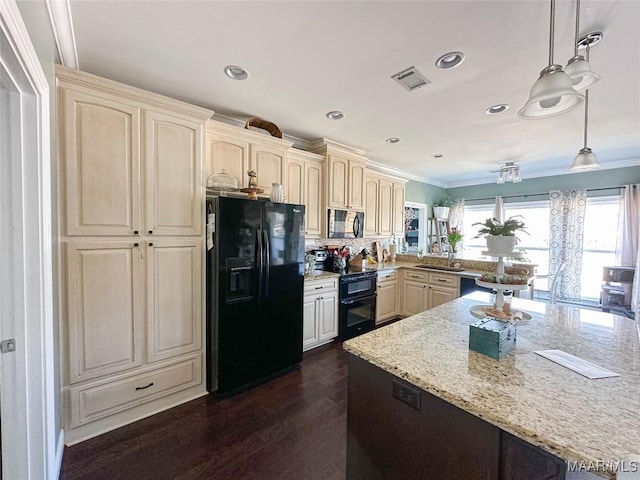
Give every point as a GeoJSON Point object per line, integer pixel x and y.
{"type": "Point", "coordinates": [628, 244]}
{"type": "Point", "coordinates": [498, 209]}
{"type": "Point", "coordinates": [566, 225]}
{"type": "Point", "coordinates": [628, 226]}
{"type": "Point", "coordinates": [456, 215]}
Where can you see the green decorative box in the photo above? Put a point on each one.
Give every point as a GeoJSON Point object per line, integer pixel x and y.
{"type": "Point", "coordinates": [492, 337]}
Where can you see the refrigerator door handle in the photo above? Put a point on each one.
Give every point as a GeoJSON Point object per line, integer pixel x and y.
{"type": "Point", "coordinates": [267, 262]}
{"type": "Point", "coordinates": [259, 263]}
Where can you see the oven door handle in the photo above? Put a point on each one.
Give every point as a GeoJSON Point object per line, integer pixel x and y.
{"type": "Point", "coordinates": [348, 302]}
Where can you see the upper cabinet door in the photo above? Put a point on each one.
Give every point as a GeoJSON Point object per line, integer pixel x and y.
{"type": "Point", "coordinates": [313, 199]}
{"type": "Point", "coordinates": [100, 158]}
{"type": "Point", "coordinates": [295, 182]}
{"type": "Point", "coordinates": [398, 208]}
{"type": "Point", "coordinates": [356, 185]}
{"type": "Point", "coordinates": [228, 154]}
{"type": "Point", "coordinates": [337, 178]}
{"type": "Point", "coordinates": [270, 165]}
{"type": "Point", "coordinates": [174, 175]}
{"type": "Point", "coordinates": [384, 207]}
{"type": "Point", "coordinates": [371, 206]}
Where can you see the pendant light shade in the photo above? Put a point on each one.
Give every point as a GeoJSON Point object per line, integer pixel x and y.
{"type": "Point", "coordinates": [585, 161]}
{"type": "Point", "coordinates": [579, 68]}
{"type": "Point", "coordinates": [580, 72]}
{"type": "Point", "coordinates": [553, 92]}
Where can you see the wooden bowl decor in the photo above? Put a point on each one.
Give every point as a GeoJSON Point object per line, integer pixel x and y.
{"type": "Point", "coordinates": [270, 127]}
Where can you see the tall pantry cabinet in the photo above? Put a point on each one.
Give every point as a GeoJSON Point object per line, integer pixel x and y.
{"type": "Point", "coordinates": [131, 236]}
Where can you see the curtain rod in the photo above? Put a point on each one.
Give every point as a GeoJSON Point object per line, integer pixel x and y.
{"type": "Point", "coordinates": [526, 195]}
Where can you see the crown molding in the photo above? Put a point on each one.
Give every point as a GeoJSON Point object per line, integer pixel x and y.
{"type": "Point", "coordinates": [62, 26]}
{"type": "Point", "coordinates": [380, 167]}
{"type": "Point", "coordinates": [297, 142]}
{"type": "Point", "coordinates": [324, 143]}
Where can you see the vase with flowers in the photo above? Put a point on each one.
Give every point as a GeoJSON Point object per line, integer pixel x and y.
{"type": "Point", "coordinates": [454, 238]}
{"type": "Point", "coordinates": [340, 258]}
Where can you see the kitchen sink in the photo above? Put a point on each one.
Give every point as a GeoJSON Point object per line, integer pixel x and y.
{"type": "Point", "coordinates": [438, 267]}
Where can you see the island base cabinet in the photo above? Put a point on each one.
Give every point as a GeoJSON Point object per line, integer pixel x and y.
{"type": "Point", "coordinates": [396, 430]}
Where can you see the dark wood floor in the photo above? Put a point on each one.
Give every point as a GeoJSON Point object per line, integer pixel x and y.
{"type": "Point", "coordinates": [293, 427]}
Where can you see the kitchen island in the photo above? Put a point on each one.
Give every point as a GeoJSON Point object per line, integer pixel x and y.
{"type": "Point", "coordinates": [422, 405]}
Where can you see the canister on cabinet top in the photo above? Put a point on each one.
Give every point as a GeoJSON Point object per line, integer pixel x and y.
{"type": "Point", "coordinates": [492, 337]}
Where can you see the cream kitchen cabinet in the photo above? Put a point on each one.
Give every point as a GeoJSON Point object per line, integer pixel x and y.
{"type": "Point", "coordinates": [384, 205]}
{"type": "Point", "coordinates": [131, 283]}
{"type": "Point", "coordinates": [423, 290]}
{"type": "Point", "coordinates": [371, 206]}
{"type": "Point", "coordinates": [304, 186]}
{"type": "Point", "coordinates": [320, 312]}
{"type": "Point", "coordinates": [104, 161]}
{"type": "Point", "coordinates": [388, 298]}
{"type": "Point", "coordinates": [344, 175]}
{"type": "Point", "coordinates": [399, 188]}
{"type": "Point", "coordinates": [237, 150]}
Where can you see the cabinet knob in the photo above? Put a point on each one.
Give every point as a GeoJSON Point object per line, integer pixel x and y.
{"type": "Point", "coordinates": [136, 244]}
{"type": "Point", "coordinates": [135, 232]}
{"type": "Point", "coordinates": [150, 232]}
{"type": "Point", "coordinates": [151, 244]}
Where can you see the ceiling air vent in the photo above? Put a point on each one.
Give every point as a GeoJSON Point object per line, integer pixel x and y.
{"type": "Point", "coordinates": [411, 79]}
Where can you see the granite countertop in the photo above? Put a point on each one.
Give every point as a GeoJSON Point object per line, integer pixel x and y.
{"type": "Point", "coordinates": [564, 413]}
{"type": "Point", "coordinates": [319, 275]}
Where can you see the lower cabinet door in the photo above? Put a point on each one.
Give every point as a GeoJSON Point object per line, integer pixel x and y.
{"type": "Point", "coordinates": [439, 295]}
{"type": "Point", "coordinates": [413, 298]}
{"type": "Point", "coordinates": [309, 322]}
{"type": "Point", "coordinates": [386, 305]}
{"type": "Point", "coordinates": [328, 316]}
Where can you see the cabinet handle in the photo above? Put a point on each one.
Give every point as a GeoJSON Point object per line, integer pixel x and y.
{"type": "Point", "coordinates": [136, 244]}
{"type": "Point", "coordinates": [387, 276]}
{"type": "Point", "coordinates": [414, 276]}
{"type": "Point", "coordinates": [151, 244]}
{"type": "Point", "coordinates": [319, 288]}
{"type": "Point", "coordinates": [146, 386]}
{"type": "Point", "coordinates": [135, 232]}
{"type": "Point", "coordinates": [441, 280]}
{"type": "Point", "coordinates": [150, 232]}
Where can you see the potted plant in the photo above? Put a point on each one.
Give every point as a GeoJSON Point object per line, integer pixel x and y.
{"type": "Point", "coordinates": [441, 209]}
{"type": "Point", "coordinates": [501, 236]}
{"type": "Point", "coordinates": [454, 238]}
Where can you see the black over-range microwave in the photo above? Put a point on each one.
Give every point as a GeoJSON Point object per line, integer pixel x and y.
{"type": "Point", "coordinates": [346, 224]}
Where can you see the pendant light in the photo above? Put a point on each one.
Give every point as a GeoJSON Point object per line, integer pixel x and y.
{"type": "Point", "coordinates": [553, 93]}
{"type": "Point", "coordinates": [585, 160]}
{"type": "Point", "coordinates": [579, 69]}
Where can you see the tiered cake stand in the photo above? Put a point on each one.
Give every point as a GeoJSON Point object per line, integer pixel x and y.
{"type": "Point", "coordinates": [501, 287]}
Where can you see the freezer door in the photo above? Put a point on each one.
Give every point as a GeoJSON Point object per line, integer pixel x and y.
{"type": "Point", "coordinates": [240, 253]}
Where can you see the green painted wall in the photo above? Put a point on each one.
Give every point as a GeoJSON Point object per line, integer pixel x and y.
{"type": "Point", "coordinates": [423, 193]}
{"type": "Point", "coordinates": [598, 179]}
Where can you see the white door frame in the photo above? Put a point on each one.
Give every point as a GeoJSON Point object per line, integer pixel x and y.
{"type": "Point", "coordinates": [31, 446]}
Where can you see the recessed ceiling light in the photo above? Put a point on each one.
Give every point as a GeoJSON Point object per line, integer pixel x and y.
{"type": "Point", "coordinates": [235, 72]}
{"type": "Point", "coordinates": [335, 115]}
{"type": "Point", "coordinates": [437, 155]}
{"type": "Point", "coordinates": [392, 140]}
{"type": "Point", "coordinates": [499, 108]}
{"type": "Point", "coordinates": [450, 60]}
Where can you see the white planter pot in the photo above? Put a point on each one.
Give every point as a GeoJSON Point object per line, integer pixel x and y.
{"type": "Point", "coordinates": [441, 212]}
{"type": "Point", "coordinates": [500, 243]}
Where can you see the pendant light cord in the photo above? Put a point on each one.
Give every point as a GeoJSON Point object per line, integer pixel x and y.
{"type": "Point", "coordinates": [551, 28]}
{"type": "Point", "coordinates": [575, 44]}
{"type": "Point", "coordinates": [586, 104]}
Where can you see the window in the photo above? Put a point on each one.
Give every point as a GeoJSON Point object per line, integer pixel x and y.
{"type": "Point", "coordinates": [415, 226]}
{"type": "Point", "coordinates": [600, 233]}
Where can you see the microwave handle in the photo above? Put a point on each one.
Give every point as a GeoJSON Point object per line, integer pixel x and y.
{"type": "Point", "coordinates": [356, 226]}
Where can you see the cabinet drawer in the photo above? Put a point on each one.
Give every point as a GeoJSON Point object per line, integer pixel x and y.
{"type": "Point", "coordinates": [416, 276]}
{"type": "Point", "coordinates": [91, 402]}
{"type": "Point", "coordinates": [387, 276]}
{"type": "Point", "coordinates": [443, 279]}
{"type": "Point", "coordinates": [320, 285]}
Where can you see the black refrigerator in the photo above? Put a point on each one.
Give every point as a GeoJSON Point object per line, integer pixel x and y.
{"type": "Point", "coordinates": [255, 282]}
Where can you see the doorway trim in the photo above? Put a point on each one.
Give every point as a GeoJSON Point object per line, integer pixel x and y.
{"type": "Point", "coordinates": [36, 447]}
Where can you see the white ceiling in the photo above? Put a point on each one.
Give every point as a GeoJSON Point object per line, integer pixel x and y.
{"type": "Point", "coordinates": [306, 58]}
